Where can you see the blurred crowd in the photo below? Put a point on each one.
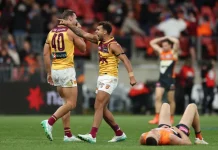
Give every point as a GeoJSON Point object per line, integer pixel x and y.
{"type": "Point", "coordinates": [24, 25]}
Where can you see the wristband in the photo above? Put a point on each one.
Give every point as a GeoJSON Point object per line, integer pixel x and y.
{"type": "Point", "coordinates": [131, 74]}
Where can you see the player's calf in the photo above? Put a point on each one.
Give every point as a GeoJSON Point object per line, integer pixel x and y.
{"type": "Point", "coordinates": [61, 112]}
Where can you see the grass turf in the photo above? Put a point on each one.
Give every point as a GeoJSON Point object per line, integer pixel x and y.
{"type": "Point", "coordinates": [26, 133]}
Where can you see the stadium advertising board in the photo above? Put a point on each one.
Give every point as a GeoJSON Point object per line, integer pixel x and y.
{"type": "Point", "coordinates": [28, 98]}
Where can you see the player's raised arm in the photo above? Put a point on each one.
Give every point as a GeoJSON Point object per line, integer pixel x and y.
{"type": "Point", "coordinates": [154, 44]}
{"type": "Point", "coordinates": [79, 32]}
{"type": "Point", "coordinates": [175, 43]}
{"type": "Point", "coordinates": [78, 41]}
{"type": "Point", "coordinates": [118, 51]}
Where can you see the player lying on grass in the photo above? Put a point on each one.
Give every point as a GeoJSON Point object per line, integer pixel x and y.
{"type": "Point", "coordinates": [165, 134]}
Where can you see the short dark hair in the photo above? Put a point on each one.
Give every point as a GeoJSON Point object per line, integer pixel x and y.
{"type": "Point", "coordinates": [106, 26]}
{"type": "Point", "coordinates": [151, 141]}
{"type": "Point", "coordinates": [67, 13]}
{"type": "Point", "coordinates": [168, 41]}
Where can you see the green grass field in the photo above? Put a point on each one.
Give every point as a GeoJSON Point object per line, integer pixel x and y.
{"type": "Point", "coordinates": [25, 133]}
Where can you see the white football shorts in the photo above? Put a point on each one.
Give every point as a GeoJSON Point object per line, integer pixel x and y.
{"type": "Point", "coordinates": [64, 77]}
{"type": "Point", "coordinates": [106, 83]}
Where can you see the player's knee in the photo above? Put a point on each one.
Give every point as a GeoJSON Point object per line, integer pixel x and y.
{"type": "Point", "coordinates": [165, 105]}
{"type": "Point", "coordinates": [158, 97]}
{"type": "Point", "coordinates": [71, 105]}
{"type": "Point", "coordinates": [193, 106]}
{"type": "Point", "coordinates": [104, 112]}
{"type": "Point", "coordinates": [99, 105]}
{"type": "Point", "coordinates": [171, 102]}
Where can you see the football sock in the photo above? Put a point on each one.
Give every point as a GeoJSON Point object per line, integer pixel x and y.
{"type": "Point", "coordinates": [52, 120]}
{"type": "Point", "coordinates": [94, 131]}
{"type": "Point", "coordinates": [67, 132]}
{"type": "Point", "coordinates": [172, 117]}
{"type": "Point", "coordinates": [117, 130]}
{"type": "Point", "coordinates": [198, 135]}
{"type": "Point", "coordinates": [157, 116]}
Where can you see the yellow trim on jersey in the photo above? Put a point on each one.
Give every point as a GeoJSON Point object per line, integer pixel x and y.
{"type": "Point", "coordinates": [99, 42]}
{"type": "Point", "coordinates": [108, 40]}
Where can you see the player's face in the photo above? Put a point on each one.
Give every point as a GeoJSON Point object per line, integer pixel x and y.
{"type": "Point", "coordinates": [100, 32]}
{"type": "Point", "coordinates": [166, 46]}
{"type": "Point", "coordinates": [73, 19]}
